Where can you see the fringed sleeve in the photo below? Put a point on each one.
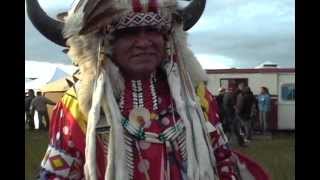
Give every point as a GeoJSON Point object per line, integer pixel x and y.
{"type": "Point", "coordinates": [64, 158]}
{"type": "Point", "coordinates": [226, 165]}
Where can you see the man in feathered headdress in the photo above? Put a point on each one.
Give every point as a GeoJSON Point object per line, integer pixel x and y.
{"type": "Point", "coordinates": [140, 109]}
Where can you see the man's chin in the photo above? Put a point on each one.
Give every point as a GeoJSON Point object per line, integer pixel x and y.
{"type": "Point", "coordinates": [145, 66]}
{"type": "Point", "coordinates": [142, 72]}
{"type": "Point", "coordinates": [145, 71]}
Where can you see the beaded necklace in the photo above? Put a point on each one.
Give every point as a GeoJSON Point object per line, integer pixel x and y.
{"type": "Point", "coordinates": [139, 105]}
{"type": "Point", "coordinates": [139, 94]}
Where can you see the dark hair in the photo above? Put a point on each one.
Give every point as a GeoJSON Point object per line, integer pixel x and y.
{"type": "Point", "coordinates": [31, 91]}
{"type": "Point", "coordinates": [39, 93]}
{"type": "Point", "coordinates": [246, 89]}
{"type": "Point", "coordinates": [265, 89]}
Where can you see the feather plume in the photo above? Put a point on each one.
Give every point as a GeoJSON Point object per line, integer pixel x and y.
{"type": "Point", "coordinates": [98, 13]}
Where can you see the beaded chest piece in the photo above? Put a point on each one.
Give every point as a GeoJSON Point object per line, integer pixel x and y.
{"type": "Point", "coordinates": [140, 107]}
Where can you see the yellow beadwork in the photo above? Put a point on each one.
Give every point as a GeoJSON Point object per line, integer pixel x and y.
{"type": "Point", "coordinates": [72, 105]}
{"type": "Point", "coordinates": [201, 92]}
{"type": "Point", "coordinates": [57, 163]}
{"type": "Point", "coordinates": [154, 116]}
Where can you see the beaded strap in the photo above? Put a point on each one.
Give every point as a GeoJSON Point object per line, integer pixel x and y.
{"type": "Point", "coordinates": [169, 134]}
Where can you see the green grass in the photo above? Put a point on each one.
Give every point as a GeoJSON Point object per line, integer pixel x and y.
{"type": "Point", "coordinates": [276, 155]}
{"type": "Point", "coordinates": [36, 143]}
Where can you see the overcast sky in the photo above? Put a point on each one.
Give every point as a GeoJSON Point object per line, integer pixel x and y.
{"type": "Point", "coordinates": [230, 33]}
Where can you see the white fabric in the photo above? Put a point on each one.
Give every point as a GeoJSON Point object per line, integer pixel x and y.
{"type": "Point", "coordinates": [47, 164]}
{"type": "Point", "coordinates": [36, 120]}
{"type": "Point", "coordinates": [201, 161]}
{"type": "Point", "coordinates": [199, 152]}
{"type": "Point", "coordinates": [90, 167]}
{"type": "Point", "coordinates": [116, 168]}
{"type": "Point", "coordinates": [103, 97]}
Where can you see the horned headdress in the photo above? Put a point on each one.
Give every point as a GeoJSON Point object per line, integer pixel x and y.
{"type": "Point", "coordinates": [86, 30]}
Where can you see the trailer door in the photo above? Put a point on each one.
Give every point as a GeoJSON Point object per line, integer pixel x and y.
{"type": "Point", "coordinates": [286, 105]}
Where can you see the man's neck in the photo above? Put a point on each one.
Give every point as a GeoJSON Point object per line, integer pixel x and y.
{"type": "Point", "coordinates": [140, 76]}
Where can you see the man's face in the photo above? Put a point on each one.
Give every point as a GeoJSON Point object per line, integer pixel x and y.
{"type": "Point", "coordinates": [138, 51]}
{"type": "Point", "coordinates": [241, 86]}
{"type": "Point", "coordinates": [30, 93]}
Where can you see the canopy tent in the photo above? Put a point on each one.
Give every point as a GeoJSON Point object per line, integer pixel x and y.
{"type": "Point", "coordinates": [38, 83]}
{"type": "Point", "coordinates": [35, 84]}
{"type": "Point", "coordinates": [59, 85]}
{"type": "Point", "coordinates": [55, 89]}
{"type": "Point", "coordinates": [58, 74]}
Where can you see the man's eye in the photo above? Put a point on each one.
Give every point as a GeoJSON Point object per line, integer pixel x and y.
{"type": "Point", "coordinates": [151, 29]}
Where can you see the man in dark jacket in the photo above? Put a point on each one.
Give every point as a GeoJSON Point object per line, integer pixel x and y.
{"type": "Point", "coordinates": [27, 103]}
{"type": "Point", "coordinates": [245, 108]}
{"type": "Point", "coordinates": [240, 117]}
{"type": "Point", "coordinates": [229, 113]}
{"type": "Point", "coordinates": [220, 105]}
{"type": "Point", "coordinates": [39, 104]}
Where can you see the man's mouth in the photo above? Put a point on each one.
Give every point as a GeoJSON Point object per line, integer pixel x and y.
{"type": "Point", "coordinates": [143, 54]}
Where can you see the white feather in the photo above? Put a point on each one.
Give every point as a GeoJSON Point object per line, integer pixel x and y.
{"type": "Point", "coordinates": [90, 166]}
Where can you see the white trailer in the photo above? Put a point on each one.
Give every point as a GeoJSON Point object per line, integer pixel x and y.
{"type": "Point", "coordinates": [279, 81]}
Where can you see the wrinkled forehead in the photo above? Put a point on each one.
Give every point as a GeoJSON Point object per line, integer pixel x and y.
{"type": "Point", "coordinates": [147, 31]}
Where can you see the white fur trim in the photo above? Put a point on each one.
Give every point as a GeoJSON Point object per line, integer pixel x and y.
{"type": "Point", "coordinates": [116, 168]}
{"type": "Point", "coordinates": [90, 167]}
{"type": "Point", "coordinates": [201, 161]}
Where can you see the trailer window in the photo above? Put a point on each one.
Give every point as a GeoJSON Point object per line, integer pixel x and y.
{"type": "Point", "coordinates": [232, 82]}
{"type": "Point", "coordinates": [288, 92]}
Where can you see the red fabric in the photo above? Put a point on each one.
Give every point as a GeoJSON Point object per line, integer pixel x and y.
{"type": "Point", "coordinates": [153, 6]}
{"type": "Point", "coordinates": [136, 5]}
{"type": "Point", "coordinates": [100, 157]}
{"type": "Point", "coordinates": [61, 117]}
{"type": "Point", "coordinates": [255, 169]}
{"type": "Point", "coordinates": [157, 156]}
{"type": "Point", "coordinates": [71, 137]}
{"type": "Point", "coordinates": [213, 115]}
{"type": "Point", "coordinates": [55, 117]}
{"type": "Point", "coordinates": [221, 152]}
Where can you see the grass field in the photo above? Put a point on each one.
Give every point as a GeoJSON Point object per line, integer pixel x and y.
{"type": "Point", "coordinates": [276, 155]}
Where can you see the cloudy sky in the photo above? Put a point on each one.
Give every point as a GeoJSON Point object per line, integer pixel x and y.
{"type": "Point", "coordinates": [231, 33]}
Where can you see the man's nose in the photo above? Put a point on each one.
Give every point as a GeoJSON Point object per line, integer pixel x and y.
{"type": "Point", "coordinates": [142, 40]}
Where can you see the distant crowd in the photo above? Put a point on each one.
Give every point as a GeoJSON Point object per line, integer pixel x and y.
{"type": "Point", "coordinates": [243, 114]}
{"type": "Point", "coordinates": [36, 108]}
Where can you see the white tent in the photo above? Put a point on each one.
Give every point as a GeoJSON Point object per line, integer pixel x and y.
{"type": "Point", "coordinates": [58, 74]}
{"type": "Point", "coordinates": [60, 85]}
{"type": "Point", "coordinates": [35, 84]}
{"type": "Point", "coordinates": [38, 83]}
{"type": "Point", "coordinates": [267, 64]}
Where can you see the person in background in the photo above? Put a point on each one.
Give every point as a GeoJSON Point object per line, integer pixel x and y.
{"type": "Point", "coordinates": [247, 111]}
{"type": "Point", "coordinates": [264, 104]}
{"type": "Point", "coordinates": [229, 113]}
{"type": "Point", "coordinates": [239, 120]}
{"type": "Point", "coordinates": [253, 116]}
{"type": "Point", "coordinates": [27, 104]}
{"type": "Point", "coordinates": [39, 104]}
{"type": "Point", "coordinates": [219, 99]}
